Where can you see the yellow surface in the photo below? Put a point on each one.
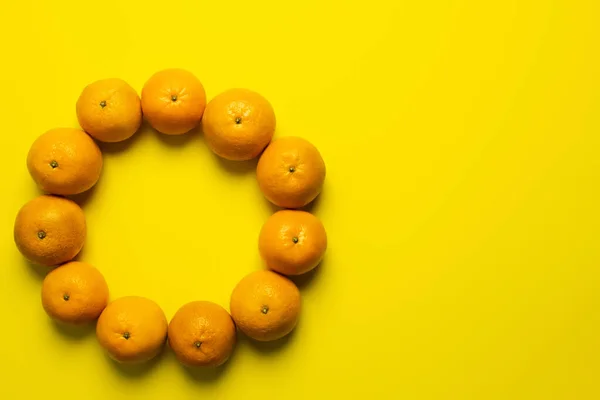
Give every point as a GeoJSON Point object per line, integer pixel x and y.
{"type": "Point", "coordinates": [461, 139]}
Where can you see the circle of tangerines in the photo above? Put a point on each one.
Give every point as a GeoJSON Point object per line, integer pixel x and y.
{"type": "Point", "coordinates": [238, 125]}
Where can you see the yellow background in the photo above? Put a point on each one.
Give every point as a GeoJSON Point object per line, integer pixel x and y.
{"type": "Point", "coordinates": [461, 139]}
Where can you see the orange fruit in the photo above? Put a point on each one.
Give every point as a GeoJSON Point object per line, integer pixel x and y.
{"type": "Point", "coordinates": [265, 305]}
{"type": "Point", "coordinates": [202, 333]}
{"type": "Point", "coordinates": [238, 124]}
{"type": "Point", "coordinates": [132, 329]}
{"type": "Point", "coordinates": [64, 161]}
{"type": "Point", "coordinates": [173, 101]}
{"type": "Point", "coordinates": [50, 230]}
{"type": "Point", "coordinates": [109, 110]}
{"type": "Point", "coordinates": [291, 172]}
{"type": "Point", "coordinates": [74, 293]}
{"type": "Point", "coordinates": [292, 242]}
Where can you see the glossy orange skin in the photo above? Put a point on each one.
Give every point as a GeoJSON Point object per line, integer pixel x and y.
{"type": "Point", "coordinates": [265, 305]}
{"type": "Point", "coordinates": [74, 293]}
{"type": "Point", "coordinates": [65, 161]}
{"type": "Point", "coordinates": [109, 110]}
{"type": "Point", "coordinates": [132, 329]}
{"type": "Point", "coordinates": [238, 124]}
{"type": "Point", "coordinates": [50, 230]}
{"type": "Point", "coordinates": [292, 242]}
{"type": "Point", "coordinates": [202, 333]}
{"type": "Point", "coordinates": [173, 101]}
{"type": "Point", "coordinates": [291, 172]}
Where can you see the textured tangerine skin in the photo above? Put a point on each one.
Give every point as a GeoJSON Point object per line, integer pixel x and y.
{"type": "Point", "coordinates": [238, 124]}
{"type": "Point", "coordinates": [65, 161]}
{"type": "Point", "coordinates": [292, 242]}
{"type": "Point", "coordinates": [202, 333]}
{"type": "Point", "coordinates": [132, 329]}
{"type": "Point", "coordinates": [109, 110]}
{"type": "Point", "coordinates": [63, 225]}
{"type": "Point", "coordinates": [75, 293]}
{"type": "Point", "coordinates": [265, 291]}
{"type": "Point", "coordinates": [169, 116]}
{"type": "Point", "coordinates": [291, 172]}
